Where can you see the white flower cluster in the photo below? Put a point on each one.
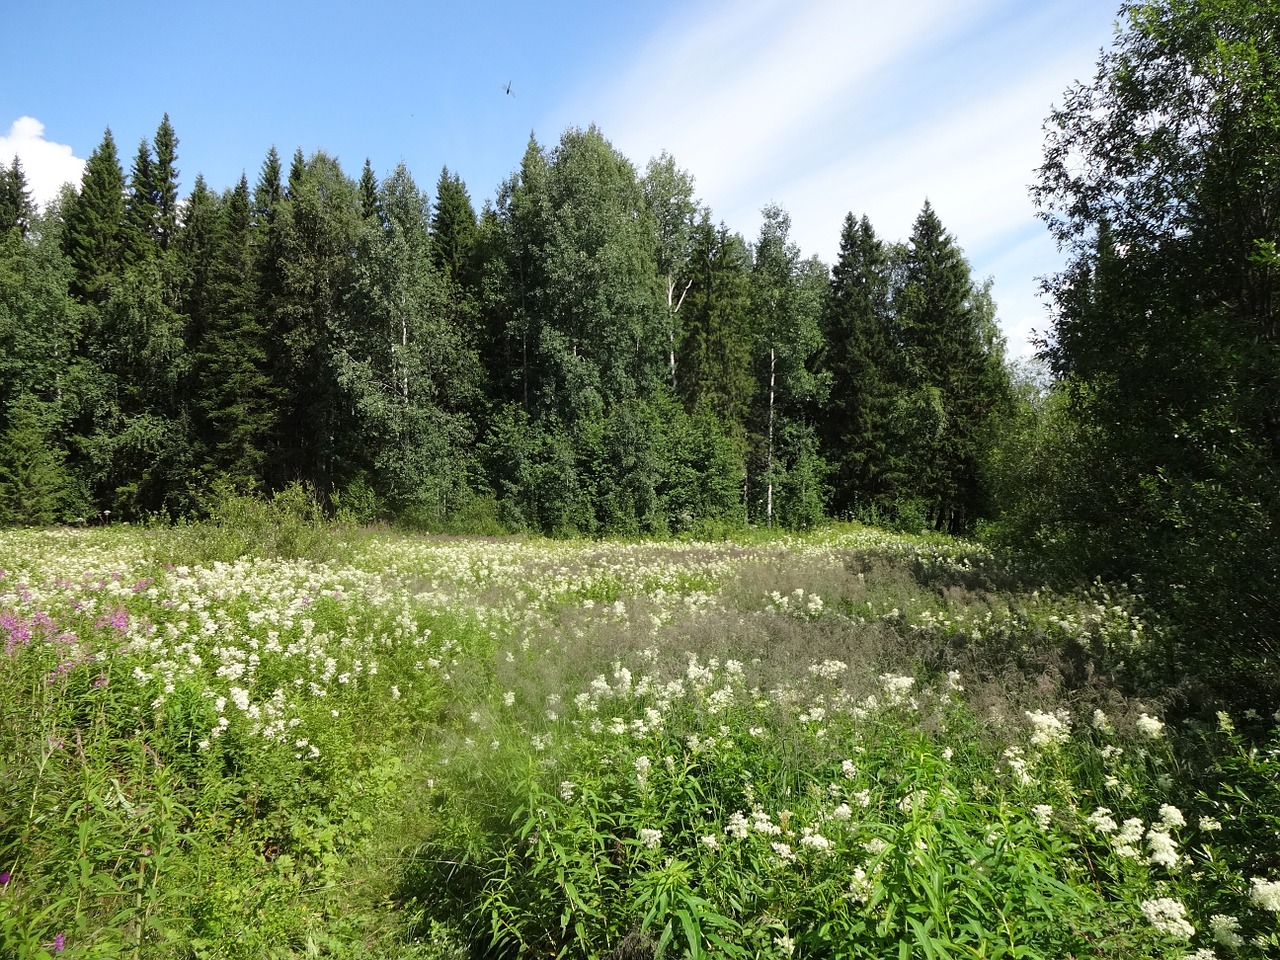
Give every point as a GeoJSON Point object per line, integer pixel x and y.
{"type": "Point", "coordinates": [1265, 893]}
{"type": "Point", "coordinates": [1048, 729]}
{"type": "Point", "coordinates": [1169, 917]}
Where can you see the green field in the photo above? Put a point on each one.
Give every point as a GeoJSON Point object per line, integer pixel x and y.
{"type": "Point", "coordinates": [847, 744]}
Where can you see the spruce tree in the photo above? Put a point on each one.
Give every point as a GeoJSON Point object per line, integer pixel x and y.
{"type": "Point", "coordinates": [454, 231]}
{"type": "Point", "coordinates": [952, 376]}
{"type": "Point", "coordinates": [16, 206]}
{"type": "Point", "coordinates": [857, 358]}
{"type": "Point", "coordinates": [95, 224]}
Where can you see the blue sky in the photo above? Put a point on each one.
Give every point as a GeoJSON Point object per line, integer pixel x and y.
{"type": "Point", "coordinates": [824, 106]}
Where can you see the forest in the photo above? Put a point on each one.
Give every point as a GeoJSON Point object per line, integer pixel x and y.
{"type": "Point", "coordinates": [593, 353]}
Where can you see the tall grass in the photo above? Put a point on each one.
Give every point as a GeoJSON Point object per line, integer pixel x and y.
{"type": "Point", "coordinates": [263, 736]}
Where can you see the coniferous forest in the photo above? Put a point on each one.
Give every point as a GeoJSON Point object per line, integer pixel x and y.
{"type": "Point", "coordinates": [592, 352]}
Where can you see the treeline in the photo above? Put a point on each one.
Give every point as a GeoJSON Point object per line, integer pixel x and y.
{"type": "Point", "coordinates": [591, 353]}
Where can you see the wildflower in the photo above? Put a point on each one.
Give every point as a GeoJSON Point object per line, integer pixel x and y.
{"type": "Point", "coordinates": [947, 753]}
{"type": "Point", "coordinates": [815, 841]}
{"type": "Point", "coordinates": [1171, 816]}
{"type": "Point", "coordinates": [650, 839]}
{"type": "Point", "coordinates": [737, 826]}
{"type": "Point", "coordinates": [913, 801]}
{"type": "Point", "coordinates": [1169, 917]}
{"type": "Point", "coordinates": [1204, 953]}
{"type": "Point", "coordinates": [1209, 824]}
{"type": "Point", "coordinates": [642, 766]}
{"type": "Point", "coordinates": [710, 842]}
{"type": "Point", "coordinates": [1266, 894]}
{"type": "Point", "coordinates": [509, 699]}
{"type": "Point", "coordinates": [784, 851]}
{"type": "Point", "coordinates": [1043, 815]}
{"type": "Point", "coordinates": [785, 944]}
{"type": "Point", "coordinates": [1101, 723]}
{"type": "Point", "coordinates": [1150, 727]}
{"type": "Point", "coordinates": [1102, 821]}
{"type": "Point", "coordinates": [566, 790]}
{"type": "Point", "coordinates": [1226, 931]}
{"type": "Point", "coordinates": [860, 886]}
{"type": "Point", "coordinates": [1161, 848]}
{"type": "Point", "coordinates": [1048, 729]}
{"type": "Point", "coordinates": [5, 877]}
{"type": "Point", "coordinates": [842, 813]}
{"type": "Point", "coordinates": [1224, 722]}
{"type": "Point", "coordinates": [849, 769]}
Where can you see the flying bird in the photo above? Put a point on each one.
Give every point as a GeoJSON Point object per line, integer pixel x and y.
{"type": "Point", "coordinates": [507, 89]}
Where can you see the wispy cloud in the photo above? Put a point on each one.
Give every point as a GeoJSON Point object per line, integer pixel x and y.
{"type": "Point", "coordinates": [833, 106]}
{"type": "Point", "coordinates": [47, 165]}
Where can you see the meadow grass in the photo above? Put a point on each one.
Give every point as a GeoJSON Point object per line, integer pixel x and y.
{"type": "Point", "coordinates": [847, 744]}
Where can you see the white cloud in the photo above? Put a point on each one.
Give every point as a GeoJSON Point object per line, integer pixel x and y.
{"type": "Point", "coordinates": [835, 106]}
{"type": "Point", "coordinates": [46, 165]}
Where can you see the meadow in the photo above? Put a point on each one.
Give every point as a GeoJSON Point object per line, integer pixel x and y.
{"type": "Point", "coordinates": [303, 742]}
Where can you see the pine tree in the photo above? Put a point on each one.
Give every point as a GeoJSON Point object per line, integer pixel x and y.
{"type": "Point", "coordinates": [16, 206]}
{"type": "Point", "coordinates": [715, 371]}
{"type": "Point", "coordinates": [165, 185]}
{"type": "Point", "coordinates": [454, 230]}
{"type": "Point", "coordinates": [237, 399]}
{"type": "Point", "coordinates": [95, 225]}
{"type": "Point", "coordinates": [952, 375]}
{"type": "Point", "coordinates": [857, 358]}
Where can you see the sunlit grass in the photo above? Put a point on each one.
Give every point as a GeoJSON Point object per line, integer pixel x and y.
{"type": "Point", "coordinates": [852, 743]}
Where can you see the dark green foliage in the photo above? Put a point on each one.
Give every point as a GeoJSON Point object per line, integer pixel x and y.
{"type": "Point", "coordinates": [858, 359]}
{"type": "Point", "coordinates": [950, 376]}
{"type": "Point", "coordinates": [715, 349]}
{"type": "Point", "coordinates": [95, 235]}
{"type": "Point", "coordinates": [1161, 179]}
{"type": "Point", "coordinates": [16, 207]}
{"type": "Point", "coordinates": [786, 294]}
{"type": "Point", "coordinates": [33, 480]}
{"type": "Point", "coordinates": [316, 232]}
{"type": "Point", "coordinates": [404, 362]}
{"type": "Point", "coordinates": [454, 230]}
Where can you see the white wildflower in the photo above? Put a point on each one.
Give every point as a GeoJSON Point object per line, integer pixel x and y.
{"type": "Point", "coordinates": [1042, 813]}
{"type": "Point", "coordinates": [1209, 824]}
{"type": "Point", "coordinates": [650, 839]}
{"type": "Point", "coordinates": [860, 886]}
{"type": "Point", "coordinates": [1162, 849]}
{"type": "Point", "coordinates": [1171, 816]}
{"type": "Point", "coordinates": [784, 851]}
{"type": "Point", "coordinates": [815, 841]}
{"type": "Point", "coordinates": [1226, 931]}
{"type": "Point", "coordinates": [1266, 894]}
{"type": "Point", "coordinates": [1102, 821]}
{"type": "Point", "coordinates": [509, 698]}
{"type": "Point", "coordinates": [1169, 917]}
{"type": "Point", "coordinates": [842, 813]}
{"type": "Point", "coordinates": [566, 790]}
{"type": "Point", "coordinates": [1048, 729]}
{"type": "Point", "coordinates": [849, 769]}
{"type": "Point", "coordinates": [710, 842]}
{"type": "Point", "coordinates": [1150, 727]}
{"type": "Point", "coordinates": [1101, 723]}
{"type": "Point", "coordinates": [737, 826]}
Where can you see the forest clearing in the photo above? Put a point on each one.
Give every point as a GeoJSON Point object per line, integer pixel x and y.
{"type": "Point", "coordinates": [848, 743]}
